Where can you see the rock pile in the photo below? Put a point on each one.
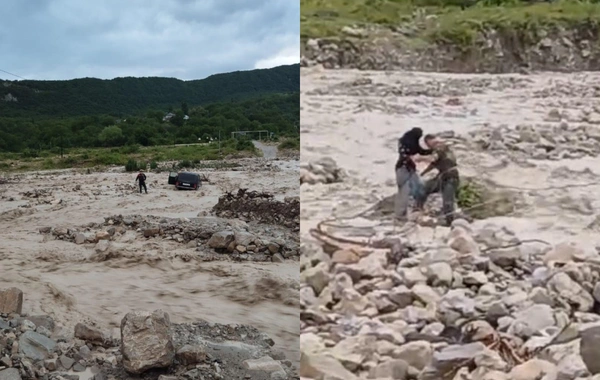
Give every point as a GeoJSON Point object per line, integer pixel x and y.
{"type": "Point", "coordinates": [214, 238]}
{"type": "Point", "coordinates": [151, 347]}
{"type": "Point", "coordinates": [552, 141]}
{"type": "Point", "coordinates": [260, 207]}
{"type": "Point", "coordinates": [323, 170]}
{"type": "Point", "coordinates": [449, 303]}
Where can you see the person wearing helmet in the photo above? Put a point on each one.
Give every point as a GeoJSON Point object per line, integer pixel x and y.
{"type": "Point", "coordinates": [141, 179]}
{"type": "Point", "coordinates": [412, 146]}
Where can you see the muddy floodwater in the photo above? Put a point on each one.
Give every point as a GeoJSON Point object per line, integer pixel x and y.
{"type": "Point", "coordinates": [537, 135]}
{"type": "Point", "coordinates": [62, 279]}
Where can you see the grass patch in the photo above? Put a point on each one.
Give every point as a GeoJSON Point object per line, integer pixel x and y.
{"type": "Point", "coordinates": [455, 21]}
{"type": "Point", "coordinates": [482, 200]}
{"type": "Point", "coordinates": [290, 144]}
{"type": "Point", "coordinates": [125, 156]}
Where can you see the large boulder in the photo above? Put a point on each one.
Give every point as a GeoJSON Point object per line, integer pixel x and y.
{"type": "Point", "coordinates": [11, 301]}
{"type": "Point", "coordinates": [146, 341]}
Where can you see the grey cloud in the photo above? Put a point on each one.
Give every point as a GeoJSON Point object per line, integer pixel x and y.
{"type": "Point", "coordinates": [187, 39]}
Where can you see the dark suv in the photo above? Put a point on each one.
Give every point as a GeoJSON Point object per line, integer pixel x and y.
{"type": "Point", "coordinates": [185, 180]}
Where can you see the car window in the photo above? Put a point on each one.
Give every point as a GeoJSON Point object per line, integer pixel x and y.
{"type": "Point", "coordinates": [186, 177]}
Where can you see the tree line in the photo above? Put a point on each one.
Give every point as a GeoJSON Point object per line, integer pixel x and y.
{"type": "Point", "coordinates": [278, 113]}
{"type": "Point", "coordinates": [121, 97]}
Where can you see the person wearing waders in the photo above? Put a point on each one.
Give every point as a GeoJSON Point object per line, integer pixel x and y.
{"type": "Point", "coordinates": [446, 181]}
{"type": "Point", "coordinates": [141, 178]}
{"type": "Point", "coordinates": [412, 143]}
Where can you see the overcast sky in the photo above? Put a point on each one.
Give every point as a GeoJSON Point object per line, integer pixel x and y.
{"type": "Point", "coordinates": [186, 39]}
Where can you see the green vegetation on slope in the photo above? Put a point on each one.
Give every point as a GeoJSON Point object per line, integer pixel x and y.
{"type": "Point", "coordinates": [144, 157]}
{"type": "Point", "coordinates": [279, 114]}
{"type": "Point", "coordinates": [452, 21]}
{"type": "Point", "coordinates": [125, 96]}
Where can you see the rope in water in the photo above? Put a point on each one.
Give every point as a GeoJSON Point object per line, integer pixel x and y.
{"type": "Point", "coordinates": [321, 234]}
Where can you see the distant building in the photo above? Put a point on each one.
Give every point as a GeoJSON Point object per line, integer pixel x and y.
{"type": "Point", "coordinates": [171, 115]}
{"type": "Point", "coordinates": [168, 116]}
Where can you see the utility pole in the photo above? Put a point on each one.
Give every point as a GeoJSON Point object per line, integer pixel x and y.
{"type": "Point", "coordinates": [219, 142]}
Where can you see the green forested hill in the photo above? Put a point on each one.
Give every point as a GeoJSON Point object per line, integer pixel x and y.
{"type": "Point", "coordinates": [126, 96]}
{"type": "Point", "coordinates": [81, 113]}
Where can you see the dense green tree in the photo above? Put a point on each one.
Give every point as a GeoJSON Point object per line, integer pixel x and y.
{"type": "Point", "coordinates": [279, 114]}
{"type": "Point", "coordinates": [111, 136]}
{"type": "Point", "coordinates": [54, 115]}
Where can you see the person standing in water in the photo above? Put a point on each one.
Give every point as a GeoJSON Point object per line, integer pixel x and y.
{"type": "Point", "coordinates": [446, 181]}
{"type": "Point", "coordinates": [141, 179]}
{"type": "Point", "coordinates": [412, 143]}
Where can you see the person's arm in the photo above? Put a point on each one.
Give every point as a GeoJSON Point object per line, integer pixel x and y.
{"type": "Point", "coordinates": [428, 169]}
{"type": "Point", "coordinates": [433, 158]}
{"type": "Point", "coordinates": [420, 157]}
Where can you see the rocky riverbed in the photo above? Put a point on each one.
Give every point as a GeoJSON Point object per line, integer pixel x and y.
{"type": "Point", "coordinates": [510, 295]}
{"type": "Point", "coordinates": [150, 346]}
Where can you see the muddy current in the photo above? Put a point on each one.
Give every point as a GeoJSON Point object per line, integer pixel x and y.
{"type": "Point", "coordinates": [63, 280]}
{"type": "Point", "coordinates": [537, 136]}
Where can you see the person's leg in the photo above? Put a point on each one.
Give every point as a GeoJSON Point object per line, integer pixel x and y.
{"type": "Point", "coordinates": [449, 190]}
{"type": "Point", "coordinates": [403, 194]}
{"type": "Point", "coordinates": [430, 186]}
{"type": "Point", "coordinates": [141, 184]}
{"type": "Point", "coordinates": [145, 188]}
{"type": "Point", "coordinates": [417, 188]}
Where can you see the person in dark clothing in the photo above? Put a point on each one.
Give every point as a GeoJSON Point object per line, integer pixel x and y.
{"type": "Point", "coordinates": [412, 143]}
{"type": "Point", "coordinates": [446, 181]}
{"type": "Point", "coordinates": [141, 179]}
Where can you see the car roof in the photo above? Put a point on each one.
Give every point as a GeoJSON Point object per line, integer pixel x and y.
{"type": "Point", "coordinates": [188, 173]}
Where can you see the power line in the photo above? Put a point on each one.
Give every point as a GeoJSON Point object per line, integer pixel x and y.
{"type": "Point", "coordinates": [14, 75]}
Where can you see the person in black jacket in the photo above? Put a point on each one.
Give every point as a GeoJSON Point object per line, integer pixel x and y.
{"type": "Point", "coordinates": [141, 178]}
{"type": "Point", "coordinates": [411, 144]}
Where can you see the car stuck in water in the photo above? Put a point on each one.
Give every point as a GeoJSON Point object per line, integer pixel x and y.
{"type": "Point", "coordinates": [185, 180]}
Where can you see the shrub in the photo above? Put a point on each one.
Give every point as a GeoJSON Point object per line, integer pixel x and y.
{"type": "Point", "coordinates": [184, 164]}
{"type": "Point", "coordinates": [132, 166]}
{"type": "Point", "coordinates": [244, 144]}
{"type": "Point", "coordinates": [290, 144]}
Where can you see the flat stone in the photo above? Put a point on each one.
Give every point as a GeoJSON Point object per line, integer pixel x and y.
{"type": "Point", "coordinates": [454, 355]}
{"type": "Point", "coordinates": [417, 354]}
{"type": "Point", "coordinates": [10, 374]}
{"type": "Point", "coordinates": [264, 364]}
{"type": "Point", "coordinates": [90, 334]}
{"type": "Point", "coordinates": [42, 321]}
{"type": "Point", "coordinates": [534, 369]}
{"type": "Point", "coordinates": [35, 346]}
{"type": "Point", "coordinates": [66, 362]}
{"type": "Point", "coordinates": [189, 354]}
{"type": "Point", "coordinates": [392, 369]}
{"type": "Point", "coordinates": [322, 366]}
